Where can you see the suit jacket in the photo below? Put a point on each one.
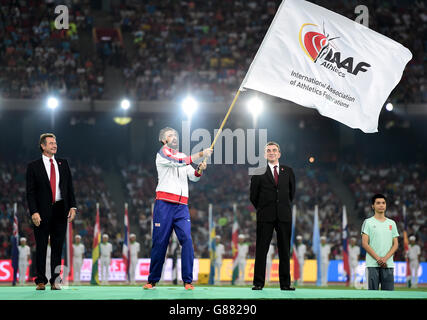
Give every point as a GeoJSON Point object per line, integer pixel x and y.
{"type": "Point", "coordinates": [39, 193]}
{"type": "Point", "coordinates": [273, 201]}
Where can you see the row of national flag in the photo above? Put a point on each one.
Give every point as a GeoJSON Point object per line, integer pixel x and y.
{"type": "Point", "coordinates": [96, 247]}
{"type": "Point", "coordinates": [68, 262]}
{"type": "Point", "coordinates": [234, 244]}
{"type": "Point", "coordinates": [296, 266]}
{"type": "Point", "coordinates": [316, 246]}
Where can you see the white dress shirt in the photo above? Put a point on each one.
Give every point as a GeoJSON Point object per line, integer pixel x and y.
{"type": "Point", "coordinates": [353, 253]}
{"type": "Point", "coordinates": [24, 252]}
{"type": "Point", "coordinates": [301, 250]}
{"type": "Point", "coordinates": [106, 250]}
{"type": "Point", "coordinates": [242, 251]}
{"type": "Point", "coordinates": [325, 250]}
{"type": "Point", "coordinates": [219, 252]}
{"type": "Point", "coordinates": [78, 251]}
{"type": "Point", "coordinates": [413, 252]}
{"type": "Point", "coordinates": [272, 168]}
{"type": "Point", "coordinates": [134, 249]}
{"type": "Point", "coordinates": [46, 162]}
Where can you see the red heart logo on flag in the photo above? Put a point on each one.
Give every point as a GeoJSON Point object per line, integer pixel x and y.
{"type": "Point", "coordinates": [314, 42]}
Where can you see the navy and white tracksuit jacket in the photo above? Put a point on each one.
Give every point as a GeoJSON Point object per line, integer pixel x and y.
{"type": "Point", "coordinates": [171, 211]}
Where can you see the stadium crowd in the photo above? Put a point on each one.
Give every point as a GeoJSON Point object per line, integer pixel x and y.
{"type": "Point", "coordinates": [206, 47]}
{"type": "Point", "coordinates": [36, 59]}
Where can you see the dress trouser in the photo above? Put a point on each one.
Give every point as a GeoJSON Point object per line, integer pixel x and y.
{"type": "Point", "coordinates": [22, 271]}
{"type": "Point", "coordinates": [264, 233]}
{"type": "Point", "coordinates": [414, 265]}
{"type": "Point", "coordinates": [218, 264]}
{"type": "Point", "coordinates": [105, 268]}
{"type": "Point", "coordinates": [132, 269]}
{"type": "Point", "coordinates": [77, 267]}
{"type": "Point", "coordinates": [55, 227]}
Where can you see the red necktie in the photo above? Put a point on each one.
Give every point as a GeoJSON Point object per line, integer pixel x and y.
{"type": "Point", "coordinates": [276, 176]}
{"type": "Point", "coordinates": [52, 180]}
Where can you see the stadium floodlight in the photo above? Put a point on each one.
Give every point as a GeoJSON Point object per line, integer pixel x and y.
{"type": "Point", "coordinates": [389, 106]}
{"type": "Point", "coordinates": [189, 106]}
{"type": "Point", "coordinates": [52, 103]}
{"type": "Point", "coordinates": [255, 107]}
{"type": "Point", "coordinates": [125, 104]}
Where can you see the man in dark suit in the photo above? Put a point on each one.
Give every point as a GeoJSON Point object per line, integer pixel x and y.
{"type": "Point", "coordinates": [51, 201]}
{"type": "Point", "coordinates": [272, 191]}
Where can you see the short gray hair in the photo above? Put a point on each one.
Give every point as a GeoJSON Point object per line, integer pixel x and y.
{"type": "Point", "coordinates": [163, 132]}
{"type": "Point", "coordinates": [43, 137]}
{"type": "Point", "coordinates": [272, 143]}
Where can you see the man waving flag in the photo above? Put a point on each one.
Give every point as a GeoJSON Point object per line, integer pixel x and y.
{"type": "Point", "coordinates": [320, 59]}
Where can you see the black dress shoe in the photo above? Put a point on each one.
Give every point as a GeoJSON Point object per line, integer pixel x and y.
{"type": "Point", "coordinates": [256, 288]}
{"type": "Point", "coordinates": [288, 288]}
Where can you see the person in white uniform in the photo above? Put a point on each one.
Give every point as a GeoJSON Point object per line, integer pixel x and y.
{"type": "Point", "coordinates": [219, 252]}
{"type": "Point", "coordinates": [353, 257]}
{"type": "Point", "coordinates": [301, 251]}
{"type": "Point", "coordinates": [270, 255]}
{"type": "Point", "coordinates": [106, 250]}
{"type": "Point", "coordinates": [243, 250]}
{"type": "Point", "coordinates": [414, 252]}
{"type": "Point", "coordinates": [24, 259]}
{"type": "Point", "coordinates": [325, 250]}
{"type": "Point", "coordinates": [78, 252]}
{"type": "Point", "coordinates": [134, 248]}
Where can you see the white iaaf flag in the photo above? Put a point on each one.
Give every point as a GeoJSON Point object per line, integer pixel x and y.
{"type": "Point", "coordinates": [320, 59]}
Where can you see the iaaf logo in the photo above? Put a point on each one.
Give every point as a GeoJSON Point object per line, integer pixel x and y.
{"type": "Point", "coordinates": [318, 45]}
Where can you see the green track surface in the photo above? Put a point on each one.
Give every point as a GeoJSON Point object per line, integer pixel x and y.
{"type": "Point", "coordinates": [200, 292]}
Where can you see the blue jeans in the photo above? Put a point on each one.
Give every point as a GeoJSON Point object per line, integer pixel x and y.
{"type": "Point", "coordinates": [168, 216]}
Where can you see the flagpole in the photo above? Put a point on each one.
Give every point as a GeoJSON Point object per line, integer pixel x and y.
{"type": "Point", "coordinates": [316, 245]}
{"type": "Point", "coordinates": [405, 247]}
{"type": "Point", "coordinates": [211, 247]}
{"type": "Point", "coordinates": [15, 251]}
{"type": "Point", "coordinates": [126, 244]}
{"type": "Point", "coordinates": [234, 245]}
{"type": "Point", "coordinates": [236, 96]}
{"type": "Point", "coordinates": [210, 226]}
{"type": "Point", "coordinates": [345, 238]}
{"type": "Point", "coordinates": [95, 249]}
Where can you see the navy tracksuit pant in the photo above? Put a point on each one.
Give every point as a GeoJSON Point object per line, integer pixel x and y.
{"type": "Point", "coordinates": [168, 216]}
